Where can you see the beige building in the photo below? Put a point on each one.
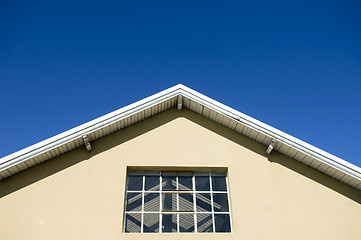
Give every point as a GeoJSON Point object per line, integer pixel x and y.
{"type": "Point", "coordinates": [177, 165]}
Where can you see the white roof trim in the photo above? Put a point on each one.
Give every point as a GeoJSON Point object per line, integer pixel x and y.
{"type": "Point", "coordinates": [272, 132]}
{"type": "Point", "coordinates": [85, 128]}
{"type": "Point", "coordinates": [10, 164]}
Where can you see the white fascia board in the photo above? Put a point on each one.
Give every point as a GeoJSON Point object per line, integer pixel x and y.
{"type": "Point", "coordinates": [274, 133]}
{"type": "Point", "coordinates": [179, 89]}
{"type": "Point", "coordinates": [86, 128]}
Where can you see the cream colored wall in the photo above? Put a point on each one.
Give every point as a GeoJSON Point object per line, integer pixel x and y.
{"type": "Point", "coordinates": [80, 195]}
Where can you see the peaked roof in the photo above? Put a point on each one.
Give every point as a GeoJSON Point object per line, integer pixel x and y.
{"type": "Point", "coordinates": [181, 96]}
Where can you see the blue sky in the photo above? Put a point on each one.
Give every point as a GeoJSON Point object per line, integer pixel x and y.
{"type": "Point", "coordinates": [295, 66]}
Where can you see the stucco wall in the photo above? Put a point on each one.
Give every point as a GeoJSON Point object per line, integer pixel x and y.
{"type": "Point", "coordinates": [80, 195]}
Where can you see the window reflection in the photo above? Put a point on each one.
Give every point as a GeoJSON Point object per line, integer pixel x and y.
{"type": "Point", "coordinates": [204, 222]}
{"type": "Point", "coordinates": [186, 202]}
{"type": "Point", "coordinates": [203, 202]}
{"type": "Point", "coordinates": [222, 222]}
{"type": "Point", "coordinates": [169, 202]}
{"type": "Point", "coordinates": [151, 202]}
{"type": "Point", "coordinates": [186, 222]}
{"type": "Point", "coordinates": [219, 183]}
{"type": "Point", "coordinates": [176, 202]}
{"type": "Point", "coordinates": [202, 183]}
{"type": "Point", "coordinates": [151, 183]}
{"type": "Point", "coordinates": [134, 202]}
{"type": "Point", "coordinates": [151, 222]}
{"type": "Point", "coordinates": [169, 181]}
{"type": "Point", "coordinates": [220, 202]}
{"type": "Point", "coordinates": [135, 182]}
{"type": "Point", "coordinates": [169, 223]}
{"type": "Point", "coordinates": [132, 222]}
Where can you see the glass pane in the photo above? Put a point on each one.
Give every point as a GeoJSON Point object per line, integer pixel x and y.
{"type": "Point", "coordinates": [219, 183]}
{"type": "Point", "coordinates": [151, 202]}
{"type": "Point", "coordinates": [186, 202]}
{"type": "Point", "coordinates": [202, 183]}
{"type": "Point", "coordinates": [169, 202]}
{"type": "Point", "coordinates": [203, 202]}
{"type": "Point", "coordinates": [151, 222]}
{"type": "Point", "coordinates": [132, 222]}
{"type": "Point", "coordinates": [135, 182]}
{"type": "Point", "coordinates": [134, 202]}
{"type": "Point", "coordinates": [204, 223]}
{"type": "Point", "coordinates": [220, 202]}
{"type": "Point", "coordinates": [152, 182]}
{"type": "Point", "coordinates": [185, 181]}
{"type": "Point", "coordinates": [186, 223]}
{"type": "Point", "coordinates": [222, 222]}
{"type": "Point", "coordinates": [169, 181]}
{"type": "Point", "coordinates": [169, 223]}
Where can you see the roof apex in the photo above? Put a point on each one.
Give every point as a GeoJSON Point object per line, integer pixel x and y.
{"type": "Point", "coordinates": [197, 102]}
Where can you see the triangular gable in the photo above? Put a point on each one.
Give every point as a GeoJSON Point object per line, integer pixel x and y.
{"type": "Point", "coordinates": [180, 97]}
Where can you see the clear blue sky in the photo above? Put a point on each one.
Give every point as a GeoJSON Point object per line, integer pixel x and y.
{"type": "Point", "coordinates": [295, 66]}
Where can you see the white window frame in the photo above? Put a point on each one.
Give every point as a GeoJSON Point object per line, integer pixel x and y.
{"type": "Point", "coordinates": [177, 192]}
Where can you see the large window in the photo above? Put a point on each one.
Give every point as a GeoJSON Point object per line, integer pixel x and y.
{"type": "Point", "coordinates": [173, 202]}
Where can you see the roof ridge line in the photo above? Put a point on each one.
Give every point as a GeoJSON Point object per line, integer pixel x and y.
{"type": "Point", "coordinates": [113, 117]}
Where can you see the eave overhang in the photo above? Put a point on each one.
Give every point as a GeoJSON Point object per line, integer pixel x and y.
{"type": "Point", "coordinates": [199, 103]}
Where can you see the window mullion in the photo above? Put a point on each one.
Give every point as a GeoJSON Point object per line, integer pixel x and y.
{"type": "Point", "coordinates": [229, 204]}
{"type": "Point", "coordinates": [211, 193]}
{"type": "Point", "coordinates": [194, 203]}
{"type": "Point", "coordinates": [142, 214]}
{"type": "Point", "coordinates": [177, 197]}
{"type": "Point", "coordinates": [160, 203]}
